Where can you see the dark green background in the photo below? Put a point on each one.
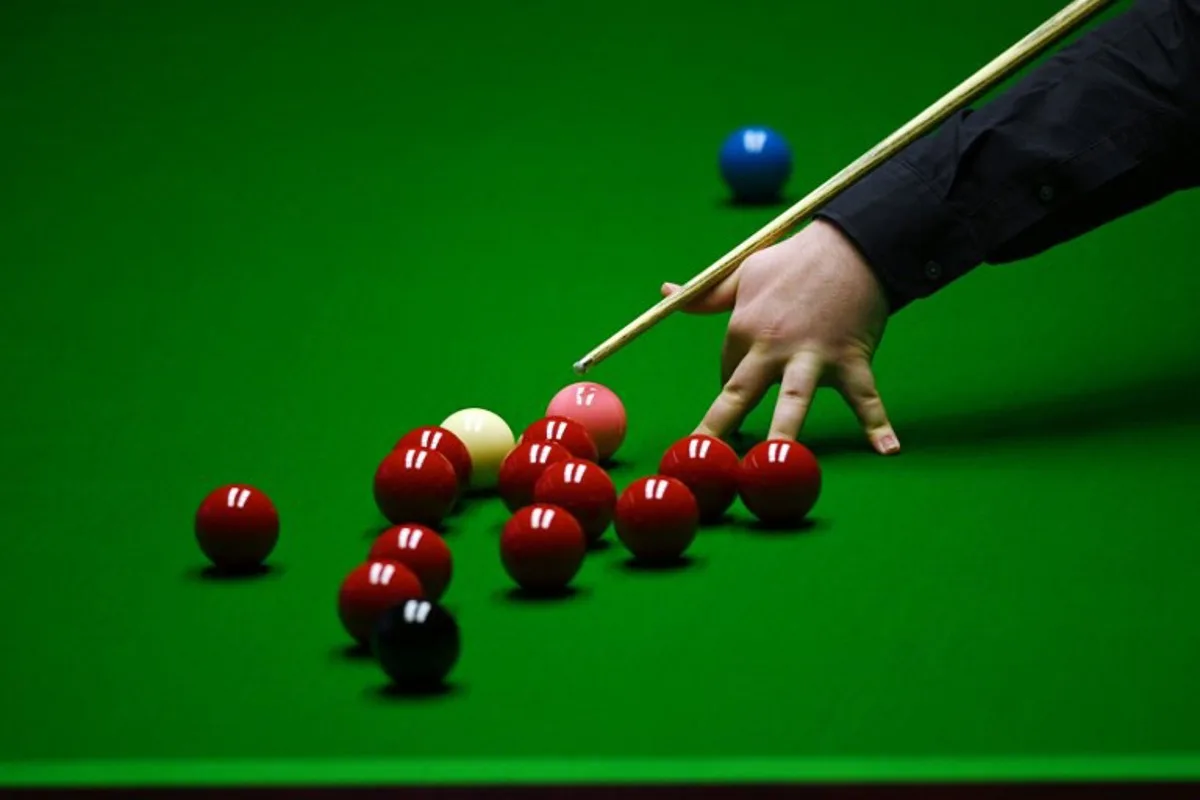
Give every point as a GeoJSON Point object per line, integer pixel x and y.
{"type": "Point", "coordinates": [259, 241]}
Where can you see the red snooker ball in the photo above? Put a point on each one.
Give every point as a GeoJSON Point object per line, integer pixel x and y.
{"type": "Point", "coordinates": [414, 485]}
{"type": "Point", "coordinates": [567, 432]}
{"type": "Point", "coordinates": [584, 490]}
{"type": "Point", "coordinates": [779, 482]}
{"type": "Point", "coordinates": [434, 437]}
{"type": "Point", "coordinates": [371, 589]}
{"type": "Point", "coordinates": [542, 548]}
{"type": "Point", "coordinates": [420, 549]}
{"type": "Point", "coordinates": [522, 467]}
{"type": "Point", "coordinates": [656, 518]}
{"type": "Point", "coordinates": [237, 527]}
{"type": "Point", "coordinates": [707, 466]}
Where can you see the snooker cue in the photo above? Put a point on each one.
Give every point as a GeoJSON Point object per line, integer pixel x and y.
{"type": "Point", "coordinates": [1012, 59]}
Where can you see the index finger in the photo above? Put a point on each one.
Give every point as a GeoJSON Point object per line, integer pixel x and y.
{"type": "Point", "coordinates": [741, 393]}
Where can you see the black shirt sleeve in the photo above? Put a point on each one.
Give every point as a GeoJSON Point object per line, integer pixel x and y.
{"type": "Point", "coordinates": [1109, 124]}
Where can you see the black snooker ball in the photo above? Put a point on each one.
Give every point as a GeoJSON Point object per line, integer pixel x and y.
{"type": "Point", "coordinates": [416, 643]}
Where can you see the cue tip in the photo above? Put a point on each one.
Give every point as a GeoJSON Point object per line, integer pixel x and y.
{"type": "Point", "coordinates": [582, 366]}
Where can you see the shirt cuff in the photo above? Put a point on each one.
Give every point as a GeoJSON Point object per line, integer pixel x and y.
{"type": "Point", "coordinates": [911, 238]}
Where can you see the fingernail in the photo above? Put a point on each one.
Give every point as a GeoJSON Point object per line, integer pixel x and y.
{"type": "Point", "coordinates": [670, 288]}
{"type": "Point", "coordinates": [889, 444]}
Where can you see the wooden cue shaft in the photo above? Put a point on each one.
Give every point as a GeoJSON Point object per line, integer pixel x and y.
{"type": "Point", "coordinates": [1012, 59]}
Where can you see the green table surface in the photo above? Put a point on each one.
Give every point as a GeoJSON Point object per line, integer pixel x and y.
{"type": "Point", "coordinates": [258, 241]}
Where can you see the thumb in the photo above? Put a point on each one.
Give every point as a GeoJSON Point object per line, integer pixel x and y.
{"type": "Point", "coordinates": [719, 298]}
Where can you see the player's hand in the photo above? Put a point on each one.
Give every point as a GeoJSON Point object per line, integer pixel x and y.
{"type": "Point", "coordinates": [807, 312]}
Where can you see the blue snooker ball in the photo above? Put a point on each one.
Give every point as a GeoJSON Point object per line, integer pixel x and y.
{"type": "Point", "coordinates": [755, 163]}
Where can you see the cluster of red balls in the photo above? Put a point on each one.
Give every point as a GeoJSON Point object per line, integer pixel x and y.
{"type": "Point", "coordinates": [560, 498]}
{"type": "Point", "coordinates": [423, 477]}
{"type": "Point", "coordinates": [562, 501]}
{"type": "Point", "coordinates": [406, 562]}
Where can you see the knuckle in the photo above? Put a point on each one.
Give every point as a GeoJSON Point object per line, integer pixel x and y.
{"type": "Point", "coordinates": [854, 356]}
{"type": "Point", "coordinates": [741, 328]}
{"type": "Point", "coordinates": [854, 371]}
{"type": "Point", "coordinates": [736, 391]}
{"type": "Point", "coordinates": [757, 261]}
{"type": "Point", "coordinates": [862, 389]}
{"type": "Point", "coordinates": [793, 393]}
{"type": "Point", "coordinates": [871, 404]}
{"type": "Point", "coordinates": [773, 333]}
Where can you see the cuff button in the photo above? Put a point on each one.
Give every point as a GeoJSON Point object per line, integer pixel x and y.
{"type": "Point", "coordinates": [933, 270]}
{"type": "Point", "coordinates": [1046, 193]}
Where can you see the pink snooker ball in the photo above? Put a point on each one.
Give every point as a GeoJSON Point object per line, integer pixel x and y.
{"type": "Point", "coordinates": [598, 409]}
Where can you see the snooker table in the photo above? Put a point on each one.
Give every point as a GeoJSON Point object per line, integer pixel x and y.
{"type": "Point", "coordinates": [257, 242]}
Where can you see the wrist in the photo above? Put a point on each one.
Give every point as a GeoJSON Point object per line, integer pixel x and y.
{"type": "Point", "coordinates": [841, 240]}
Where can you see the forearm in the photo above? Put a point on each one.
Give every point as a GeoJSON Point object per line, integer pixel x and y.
{"type": "Point", "coordinates": [1107, 125]}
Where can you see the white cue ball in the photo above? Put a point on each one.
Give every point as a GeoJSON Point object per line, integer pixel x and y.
{"type": "Point", "coordinates": [488, 439]}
